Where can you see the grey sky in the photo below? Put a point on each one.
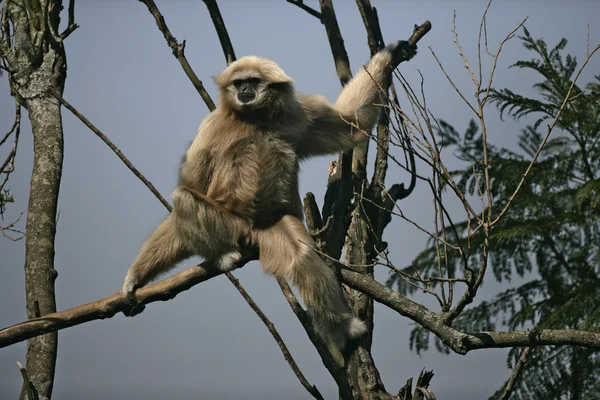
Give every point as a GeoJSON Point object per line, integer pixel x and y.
{"type": "Point", "coordinates": [207, 343]}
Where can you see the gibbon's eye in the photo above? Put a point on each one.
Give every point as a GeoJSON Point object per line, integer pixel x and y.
{"type": "Point", "coordinates": [237, 82]}
{"type": "Point", "coordinates": [253, 81]}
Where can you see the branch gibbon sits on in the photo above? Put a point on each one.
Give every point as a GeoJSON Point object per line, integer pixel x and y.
{"type": "Point", "coordinates": [244, 160]}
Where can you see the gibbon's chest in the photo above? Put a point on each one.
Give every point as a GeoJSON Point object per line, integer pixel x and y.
{"type": "Point", "coordinates": [270, 153]}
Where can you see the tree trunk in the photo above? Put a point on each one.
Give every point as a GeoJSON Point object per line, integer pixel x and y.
{"type": "Point", "coordinates": [37, 65]}
{"type": "Point", "coordinates": [46, 123]}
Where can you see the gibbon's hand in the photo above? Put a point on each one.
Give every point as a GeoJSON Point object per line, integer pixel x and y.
{"type": "Point", "coordinates": [401, 51]}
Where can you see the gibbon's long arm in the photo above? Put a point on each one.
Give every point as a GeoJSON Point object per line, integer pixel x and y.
{"type": "Point", "coordinates": [343, 125]}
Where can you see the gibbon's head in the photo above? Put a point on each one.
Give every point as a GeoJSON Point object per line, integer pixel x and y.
{"type": "Point", "coordinates": [255, 83]}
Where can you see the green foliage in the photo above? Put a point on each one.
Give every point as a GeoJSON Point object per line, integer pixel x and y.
{"type": "Point", "coordinates": [552, 227]}
{"type": "Point", "coordinates": [5, 198]}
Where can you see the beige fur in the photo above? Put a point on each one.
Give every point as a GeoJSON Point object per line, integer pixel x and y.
{"type": "Point", "coordinates": [245, 157]}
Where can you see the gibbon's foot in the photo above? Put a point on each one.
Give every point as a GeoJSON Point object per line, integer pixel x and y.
{"type": "Point", "coordinates": [356, 328]}
{"type": "Point", "coordinates": [226, 262]}
{"type": "Point", "coordinates": [347, 332]}
{"type": "Point", "coordinates": [133, 306]}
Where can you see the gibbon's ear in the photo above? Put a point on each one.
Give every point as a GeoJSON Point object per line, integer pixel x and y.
{"type": "Point", "coordinates": [248, 66]}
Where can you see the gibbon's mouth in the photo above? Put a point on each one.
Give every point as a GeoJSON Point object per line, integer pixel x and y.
{"type": "Point", "coordinates": [246, 98]}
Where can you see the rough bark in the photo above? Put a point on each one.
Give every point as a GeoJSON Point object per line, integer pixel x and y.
{"type": "Point", "coordinates": [37, 63]}
{"type": "Point", "coordinates": [40, 274]}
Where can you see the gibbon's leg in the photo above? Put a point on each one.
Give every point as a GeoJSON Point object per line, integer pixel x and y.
{"type": "Point", "coordinates": [287, 251]}
{"type": "Point", "coordinates": [161, 251]}
{"type": "Point", "coordinates": [208, 229]}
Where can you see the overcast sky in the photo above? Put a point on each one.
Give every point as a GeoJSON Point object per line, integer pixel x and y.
{"type": "Point", "coordinates": [207, 343]}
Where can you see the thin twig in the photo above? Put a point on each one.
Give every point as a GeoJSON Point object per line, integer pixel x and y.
{"type": "Point", "coordinates": [114, 148]}
{"type": "Point", "coordinates": [310, 10]}
{"type": "Point", "coordinates": [495, 62]}
{"type": "Point", "coordinates": [271, 327]}
{"type": "Point", "coordinates": [452, 83]}
{"type": "Point", "coordinates": [10, 228]}
{"type": "Point", "coordinates": [178, 51]}
{"type": "Point", "coordinates": [461, 52]}
{"type": "Point", "coordinates": [29, 387]}
{"type": "Point", "coordinates": [515, 375]}
{"type": "Point", "coordinates": [8, 166]}
{"type": "Point", "coordinates": [334, 365]}
{"type": "Point", "coordinates": [482, 26]}
{"type": "Point", "coordinates": [71, 24]}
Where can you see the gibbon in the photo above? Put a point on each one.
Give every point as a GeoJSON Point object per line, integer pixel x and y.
{"type": "Point", "coordinates": [238, 181]}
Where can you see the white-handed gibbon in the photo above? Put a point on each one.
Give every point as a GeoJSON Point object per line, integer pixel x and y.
{"type": "Point", "coordinates": [238, 182]}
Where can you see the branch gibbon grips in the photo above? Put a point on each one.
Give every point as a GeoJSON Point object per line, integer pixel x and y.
{"type": "Point", "coordinates": [238, 181]}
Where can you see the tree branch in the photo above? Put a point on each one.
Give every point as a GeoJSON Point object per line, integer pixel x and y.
{"type": "Point", "coordinates": [340, 184]}
{"type": "Point", "coordinates": [334, 366]}
{"type": "Point", "coordinates": [178, 52]}
{"type": "Point", "coordinates": [28, 386]}
{"type": "Point", "coordinates": [114, 148]}
{"type": "Point", "coordinates": [461, 342]}
{"type": "Point", "coordinates": [109, 306]}
{"type": "Point", "coordinates": [271, 327]}
{"type": "Point", "coordinates": [310, 10]}
{"type": "Point", "coordinates": [515, 375]}
{"type": "Point", "coordinates": [217, 19]}
{"type": "Point", "coordinates": [71, 24]}
{"type": "Point", "coordinates": [167, 289]}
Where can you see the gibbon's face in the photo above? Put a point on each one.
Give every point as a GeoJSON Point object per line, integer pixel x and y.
{"type": "Point", "coordinates": [254, 85]}
{"type": "Point", "coordinates": [248, 91]}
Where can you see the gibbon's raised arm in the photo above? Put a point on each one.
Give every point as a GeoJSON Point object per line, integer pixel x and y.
{"type": "Point", "coordinates": [346, 123]}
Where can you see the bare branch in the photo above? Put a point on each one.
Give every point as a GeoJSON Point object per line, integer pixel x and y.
{"type": "Point", "coordinates": [310, 10]}
{"type": "Point", "coordinates": [178, 52]}
{"type": "Point", "coordinates": [109, 306]}
{"type": "Point", "coordinates": [271, 327]}
{"type": "Point", "coordinates": [217, 19]}
{"type": "Point", "coordinates": [419, 32]}
{"type": "Point", "coordinates": [114, 148]}
{"type": "Point", "coordinates": [452, 83]}
{"type": "Point", "coordinates": [32, 393]}
{"type": "Point", "coordinates": [11, 228]}
{"type": "Point", "coordinates": [461, 342]}
{"type": "Point", "coordinates": [167, 289]}
{"type": "Point", "coordinates": [515, 375]}
{"type": "Point", "coordinates": [336, 41]}
{"type": "Point", "coordinates": [71, 26]}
